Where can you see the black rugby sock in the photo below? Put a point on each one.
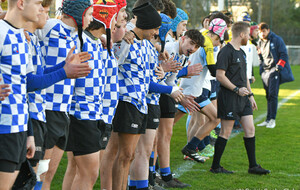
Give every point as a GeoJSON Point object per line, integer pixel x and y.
{"type": "Point", "coordinates": [250, 148]}
{"type": "Point", "coordinates": [219, 149]}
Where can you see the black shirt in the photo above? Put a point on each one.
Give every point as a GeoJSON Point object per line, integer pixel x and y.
{"type": "Point", "coordinates": [234, 63]}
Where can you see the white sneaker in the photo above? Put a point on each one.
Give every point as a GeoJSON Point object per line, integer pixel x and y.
{"type": "Point", "coordinates": [271, 124]}
{"type": "Point", "coordinates": [265, 123]}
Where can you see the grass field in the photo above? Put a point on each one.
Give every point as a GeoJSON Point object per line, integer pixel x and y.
{"type": "Point", "coordinates": [277, 149]}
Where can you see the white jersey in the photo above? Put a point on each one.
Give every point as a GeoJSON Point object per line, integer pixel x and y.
{"type": "Point", "coordinates": [251, 57]}
{"type": "Point", "coordinates": [14, 57]}
{"type": "Point", "coordinates": [193, 86]}
{"type": "Point", "coordinates": [172, 48]}
{"type": "Point", "coordinates": [56, 40]}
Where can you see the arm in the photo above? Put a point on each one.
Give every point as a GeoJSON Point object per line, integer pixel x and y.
{"type": "Point", "coordinates": [190, 70]}
{"type": "Point", "coordinates": [283, 56]}
{"type": "Point", "coordinates": [227, 83]}
{"type": "Point", "coordinates": [174, 91]}
{"type": "Point", "coordinates": [38, 82]}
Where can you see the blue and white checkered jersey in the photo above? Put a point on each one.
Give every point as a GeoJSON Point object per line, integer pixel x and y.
{"type": "Point", "coordinates": [36, 99]}
{"type": "Point", "coordinates": [86, 101]}
{"type": "Point", "coordinates": [153, 98]}
{"type": "Point", "coordinates": [134, 73]}
{"type": "Point", "coordinates": [172, 48]}
{"type": "Point", "coordinates": [56, 40]}
{"type": "Point", "coordinates": [193, 86]}
{"type": "Point", "coordinates": [14, 59]}
{"type": "Point", "coordinates": [111, 87]}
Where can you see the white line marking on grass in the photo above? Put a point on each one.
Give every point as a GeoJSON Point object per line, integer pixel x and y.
{"type": "Point", "coordinates": [283, 101]}
{"type": "Point", "coordinates": [188, 165]}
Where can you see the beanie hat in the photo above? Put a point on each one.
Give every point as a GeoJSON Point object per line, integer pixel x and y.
{"type": "Point", "coordinates": [181, 16]}
{"type": "Point", "coordinates": [120, 4]}
{"type": "Point", "coordinates": [218, 26]}
{"type": "Point", "coordinates": [147, 16]}
{"type": "Point", "coordinates": [104, 12]}
{"type": "Point", "coordinates": [246, 16]}
{"type": "Point", "coordinates": [76, 10]}
{"type": "Point", "coordinates": [163, 30]}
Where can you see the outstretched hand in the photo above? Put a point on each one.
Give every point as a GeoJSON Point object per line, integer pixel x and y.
{"type": "Point", "coordinates": [189, 104]}
{"type": "Point", "coordinates": [159, 71]}
{"type": "Point", "coordinates": [194, 69]}
{"type": "Point", "coordinates": [76, 65]}
{"type": "Point", "coordinates": [171, 65]}
{"type": "Point", "coordinates": [177, 95]}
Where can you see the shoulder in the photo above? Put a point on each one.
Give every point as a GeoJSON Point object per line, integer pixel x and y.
{"type": "Point", "coordinates": [170, 47]}
{"type": "Point", "coordinates": [121, 50]}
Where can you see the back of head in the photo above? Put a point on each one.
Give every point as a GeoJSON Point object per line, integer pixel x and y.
{"type": "Point", "coordinates": [163, 30]}
{"type": "Point", "coordinates": [147, 16]}
{"type": "Point", "coordinates": [238, 28]}
{"type": "Point", "coordinates": [196, 37]}
{"type": "Point", "coordinates": [220, 15]}
{"type": "Point", "coordinates": [104, 12]}
{"type": "Point", "coordinates": [181, 16]}
{"type": "Point", "coordinates": [157, 4]}
{"type": "Point", "coordinates": [246, 17]}
{"type": "Point", "coordinates": [170, 8]}
{"type": "Point", "coordinates": [263, 25]}
{"type": "Point", "coordinates": [76, 9]}
{"type": "Point", "coordinates": [218, 26]}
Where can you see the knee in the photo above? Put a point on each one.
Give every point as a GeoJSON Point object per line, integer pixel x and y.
{"type": "Point", "coordinates": [126, 156]}
{"type": "Point", "coordinates": [250, 132]}
{"type": "Point", "coordinates": [225, 133]}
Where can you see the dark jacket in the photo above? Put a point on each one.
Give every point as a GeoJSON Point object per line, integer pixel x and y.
{"type": "Point", "coordinates": [278, 51]}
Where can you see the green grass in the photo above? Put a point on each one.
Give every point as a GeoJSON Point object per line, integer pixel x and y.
{"type": "Point", "coordinates": [277, 149]}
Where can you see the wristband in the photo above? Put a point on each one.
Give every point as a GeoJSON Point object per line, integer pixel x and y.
{"type": "Point", "coordinates": [249, 95]}
{"type": "Point", "coordinates": [236, 90]}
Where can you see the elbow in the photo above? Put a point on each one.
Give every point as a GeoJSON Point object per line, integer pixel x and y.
{"type": "Point", "coordinates": [218, 76]}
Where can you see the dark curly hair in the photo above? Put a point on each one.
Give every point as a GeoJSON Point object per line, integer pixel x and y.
{"type": "Point", "coordinates": [196, 37]}
{"type": "Point", "coordinates": [170, 8]}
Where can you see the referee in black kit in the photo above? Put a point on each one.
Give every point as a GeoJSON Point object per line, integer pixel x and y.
{"type": "Point", "coordinates": [235, 99]}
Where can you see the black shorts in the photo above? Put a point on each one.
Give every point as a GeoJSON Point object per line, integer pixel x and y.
{"type": "Point", "coordinates": [105, 135]}
{"type": "Point", "coordinates": [57, 129]}
{"type": "Point", "coordinates": [231, 106]}
{"type": "Point", "coordinates": [153, 116]}
{"type": "Point", "coordinates": [128, 119]}
{"type": "Point", "coordinates": [12, 151]}
{"type": "Point", "coordinates": [40, 132]}
{"type": "Point", "coordinates": [85, 136]}
{"type": "Point", "coordinates": [167, 106]}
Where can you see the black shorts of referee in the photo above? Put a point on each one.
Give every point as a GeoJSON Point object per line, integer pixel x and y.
{"type": "Point", "coordinates": [231, 106]}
